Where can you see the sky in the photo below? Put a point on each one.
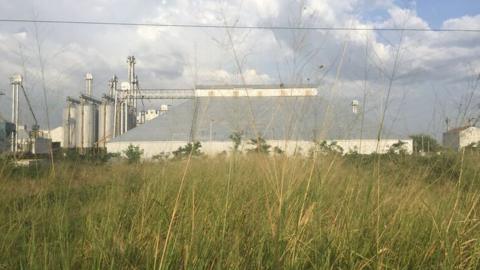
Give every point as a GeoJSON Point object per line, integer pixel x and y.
{"type": "Point", "coordinates": [418, 78]}
{"type": "Point", "coordinates": [436, 12]}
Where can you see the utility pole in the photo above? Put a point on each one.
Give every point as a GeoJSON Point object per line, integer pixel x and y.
{"type": "Point", "coordinates": [1, 94]}
{"type": "Point", "coordinates": [423, 149]}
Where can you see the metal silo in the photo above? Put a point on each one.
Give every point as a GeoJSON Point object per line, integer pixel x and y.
{"type": "Point", "coordinates": [87, 125]}
{"type": "Point", "coordinates": [105, 123]}
{"type": "Point", "coordinates": [69, 126]}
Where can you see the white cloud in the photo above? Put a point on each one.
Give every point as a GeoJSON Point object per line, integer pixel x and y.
{"type": "Point", "coordinates": [465, 22]}
{"type": "Point", "coordinates": [403, 18]}
{"type": "Point", "coordinates": [167, 56]}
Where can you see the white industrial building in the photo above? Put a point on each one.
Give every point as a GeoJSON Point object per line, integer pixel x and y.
{"type": "Point", "coordinates": [287, 117]}
{"type": "Point", "coordinates": [458, 138]}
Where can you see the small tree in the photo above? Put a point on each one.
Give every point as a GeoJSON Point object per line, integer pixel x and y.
{"type": "Point", "coordinates": [133, 154]}
{"type": "Point", "coordinates": [260, 146]}
{"type": "Point", "coordinates": [325, 148]}
{"type": "Point", "coordinates": [161, 156]}
{"type": "Point", "coordinates": [189, 148]}
{"type": "Point", "coordinates": [425, 144]}
{"type": "Point", "coordinates": [236, 138]}
{"type": "Point", "coordinates": [398, 148]}
{"type": "Point", "coordinates": [475, 146]}
{"type": "Point", "coordinates": [278, 151]}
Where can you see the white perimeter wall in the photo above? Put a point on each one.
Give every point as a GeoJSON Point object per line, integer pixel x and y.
{"type": "Point", "coordinates": [153, 148]}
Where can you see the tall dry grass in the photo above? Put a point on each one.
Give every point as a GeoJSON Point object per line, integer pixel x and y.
{"type": "Point", "coordinates": [244, 212]}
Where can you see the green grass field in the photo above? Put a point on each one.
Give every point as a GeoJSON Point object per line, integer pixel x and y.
{"type": "Point", "coordinates": [244, 212]}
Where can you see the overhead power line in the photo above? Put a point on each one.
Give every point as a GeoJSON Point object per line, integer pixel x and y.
{"type": "Point", "coordinates": [326, 28]}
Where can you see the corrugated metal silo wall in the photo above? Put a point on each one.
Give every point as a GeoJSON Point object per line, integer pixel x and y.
{"type": "Point", "coordinates": [69, 126]}
{"type": "Point", "coordinates": [105, 123]}
{"type": "Point", "coordinates": [87, 128]}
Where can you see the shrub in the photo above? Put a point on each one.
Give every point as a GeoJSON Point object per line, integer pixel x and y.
{"type": "Point", "coordinates": [236, 138]}
{"type": "Point", "coordinates": [277, 150]}
{"type": "Point", "coordinates": [475, 146]}
{"type": "Point", "coordinates": [133, 154]}
{"type": "Point", "coordinates": [161, 156]}
{"type": "Point", "coordinates": [398, 148]}
{"type": "Point", "coordinates": [94, 156]}
{"type": "Point", "coordinates": [260, 146]}
{"type": "Point", "coordinates": [326, 148]}
{"type": "Point", "coordinates": [425, 144]}
{"type": "Point", "coordinates": [189, 148]}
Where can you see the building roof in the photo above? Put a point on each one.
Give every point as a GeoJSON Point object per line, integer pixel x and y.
{"type": "Point", "coordinates": [256, 86]}
{"type": "Point", "coordinates": [273, 118]}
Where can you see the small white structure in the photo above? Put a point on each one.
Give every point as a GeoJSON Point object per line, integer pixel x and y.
{"type": "Point", "coordinates": [458, 138]}
{"type": "Point", "coordinates": [56, 135]}
{"type": "Point", "coordinates": [151, 114]}
{"type": "Point", "coordinates": [355, 105]}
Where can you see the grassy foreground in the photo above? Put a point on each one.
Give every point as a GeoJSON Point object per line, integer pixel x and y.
{"type": "Point", "coordinates": [244, 212]}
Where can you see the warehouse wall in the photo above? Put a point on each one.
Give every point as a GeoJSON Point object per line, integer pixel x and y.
{"type": "Point", "coordinates": [152, 148]}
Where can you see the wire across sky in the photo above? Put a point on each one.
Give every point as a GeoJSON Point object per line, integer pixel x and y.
{"type": "Point", "coordinates": [260, 27]}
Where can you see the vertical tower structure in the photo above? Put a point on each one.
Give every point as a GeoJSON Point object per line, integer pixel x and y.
{"type": "Point", "coordinates": [132, 81]}
{"type": "Point", "coordinates": [88, 84]}
{"type": "Point", "coordinates": [128, 104]}
{"type": "Point", "coordinates": [16, 82]}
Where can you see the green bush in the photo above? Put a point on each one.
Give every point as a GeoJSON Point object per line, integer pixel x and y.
{"type": "Point", "coordinates": [278, 151]}
{"type": "Point", "coordinates": [475, 146]}
{"type": "Point", "coordinates": [423, 143]}
{"type": "Point", "coordinates": [325, 148]}
{"type": "Point", "coordinates": [398, 148]}
{"type": "Point", "coordinates": [259, 146]}
{"type": "Point", "coordinates": [193, 149]}
{"type": "Point", "coordinates": [133, 154]}
{"type": "Point", "coordinates": [236, 138]}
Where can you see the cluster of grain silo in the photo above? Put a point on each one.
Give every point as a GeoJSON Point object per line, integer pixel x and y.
{"type": "Point", "coordinates": [89, 122]}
